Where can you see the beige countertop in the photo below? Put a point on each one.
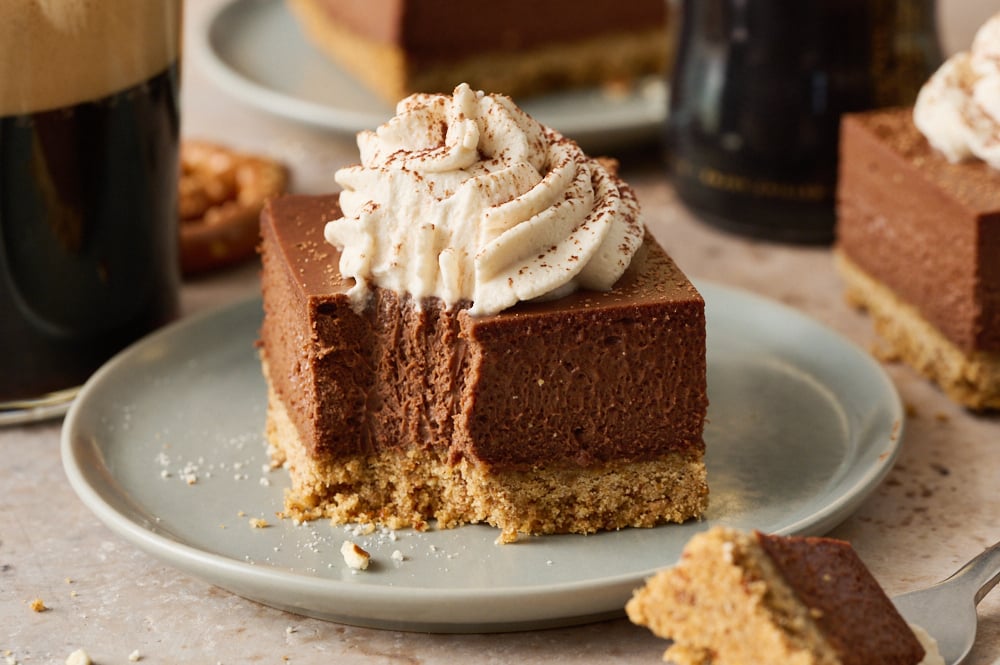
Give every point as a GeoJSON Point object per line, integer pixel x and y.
{"type": "Point", "coordinates": [939, 506]}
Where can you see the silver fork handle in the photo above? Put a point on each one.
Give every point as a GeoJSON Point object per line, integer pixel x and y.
{"type": "Point", "coordinates": [978, 576]}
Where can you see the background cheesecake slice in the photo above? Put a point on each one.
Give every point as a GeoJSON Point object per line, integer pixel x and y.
{"type": "Point", "coordinates": [398, 47]}
{"type": "Point", "coordinates": [918, 245]}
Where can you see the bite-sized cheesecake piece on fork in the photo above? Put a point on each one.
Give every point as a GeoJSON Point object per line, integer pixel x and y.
{"type": "Point", "coordinates": [745, 598]}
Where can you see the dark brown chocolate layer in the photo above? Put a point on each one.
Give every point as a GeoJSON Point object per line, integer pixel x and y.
{"type": "Point", "coordinates": [926, 228]}
{"type": "Point", "coordinates": [848, 604]}
{"type": "Point", "coordinates": [582, 380]}
{"type": "Point", "coordinates": [430, 30]}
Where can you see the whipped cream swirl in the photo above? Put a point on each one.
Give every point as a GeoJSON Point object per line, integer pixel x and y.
{"type": "Point", "coordinates": [466, 198]}
{"type": "Point", "coordinates": [958, 109]}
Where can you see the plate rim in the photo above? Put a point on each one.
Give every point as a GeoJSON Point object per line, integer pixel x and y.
{"type": "Point", "coordinates": [236, 575]}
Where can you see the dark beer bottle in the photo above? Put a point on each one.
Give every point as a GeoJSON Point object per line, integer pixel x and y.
{"type": "Point", "coordinates": [756, 98]}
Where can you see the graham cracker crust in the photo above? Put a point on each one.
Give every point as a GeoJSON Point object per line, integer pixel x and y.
{"type": "Point", "coordinates": [971, 379]}
{"type": "Point", "coordinates": [408, 488]}
{"type": "Point", "coordinates": [386, 70]}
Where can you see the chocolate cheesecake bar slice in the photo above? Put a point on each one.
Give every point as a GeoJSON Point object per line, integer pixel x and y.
{"type": "Point", "coordinates": [576, 414]}
{"type": "Point", "coordinates": [918, 244]}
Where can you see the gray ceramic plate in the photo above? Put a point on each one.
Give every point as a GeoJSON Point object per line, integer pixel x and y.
{"type": "Point", "coordinates": [803, 425]}
{"type": "Point", "coordinates": [254, 50]}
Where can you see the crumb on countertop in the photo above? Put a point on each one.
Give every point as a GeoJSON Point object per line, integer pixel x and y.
{"type": "Point", "coordinates": [38, 605]}
{"type": "Point", "coordinates": [79, 657]}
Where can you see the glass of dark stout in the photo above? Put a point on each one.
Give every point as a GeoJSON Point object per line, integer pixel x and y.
{"type": "Point", "coordinates": [88, 190]}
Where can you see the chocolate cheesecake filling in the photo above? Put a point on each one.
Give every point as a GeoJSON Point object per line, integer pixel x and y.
{"type": "Point", "coordinates": [436, 30]}
{"type": "Point", "coordinates": [926, 228]}
{"type": "Point", "coordinates": [827, 576]}
{"type": "Point", "coordinates": [407, 377]}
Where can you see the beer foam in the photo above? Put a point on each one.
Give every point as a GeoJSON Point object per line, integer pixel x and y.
{"type": "Point", "coordinates": [57, 53]}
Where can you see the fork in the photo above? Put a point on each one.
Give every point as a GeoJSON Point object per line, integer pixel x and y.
{"type": "Point", "coordinates": [947, 610]}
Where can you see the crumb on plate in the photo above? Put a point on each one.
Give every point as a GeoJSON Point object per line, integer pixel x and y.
{"type": "Point", "coordinates": [354, 556]}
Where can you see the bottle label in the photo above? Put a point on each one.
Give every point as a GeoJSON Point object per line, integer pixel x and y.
{"type": "Point", "coordinates": [759, 188]}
